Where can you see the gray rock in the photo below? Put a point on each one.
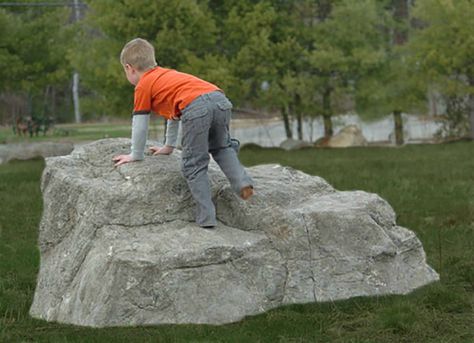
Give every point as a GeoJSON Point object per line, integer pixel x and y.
{"type": "Point", "coordinates": [119, 247]}
{"type": "Point", "coordinates": [349, 136]}
{"type": "Point", "coordinates": [294, 144]}
{"type": "Point", "coordinates": [26, 151]}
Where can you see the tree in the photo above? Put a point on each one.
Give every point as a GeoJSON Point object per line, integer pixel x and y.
{"type": "Point", "coordinates": [181, 31]}
{"type": "Point", "coordinates": [34, 50]}
{"type": "Point", "coordinates": [395, 85]}
{"type": "Point", "coordinates": [348, 45]}
{"type": "Point", "coordinates": [442, 48]}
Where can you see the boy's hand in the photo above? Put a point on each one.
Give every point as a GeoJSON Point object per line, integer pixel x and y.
{"type": "Point", "coordinates": [122, 159]}
{"type": "Point", "coordinates": [166, 150]}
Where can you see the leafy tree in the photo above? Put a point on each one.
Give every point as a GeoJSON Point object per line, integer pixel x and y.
{"type": "Point", "coordinates": [182, 31]}
{"type": "Point", "coordinates": [442, 47]}
{"type": "Point", "coordinates": [396, 84]}
{"type": "Point", "coordinates": [348, 45]}
{"type": "Point", "coordinates": [33, 47]}
{"type": "Point", "coordinates": [249, 42]}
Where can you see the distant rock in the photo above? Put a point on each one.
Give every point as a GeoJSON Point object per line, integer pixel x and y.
{"type": "Point", "coordinates": [294, 144]}
{"type": "Point", "coordinates": [119, 247]}
{"type": "Point", "coordinates": [348, 137]}
{"type": "Point", "coordinates": [26, 151]}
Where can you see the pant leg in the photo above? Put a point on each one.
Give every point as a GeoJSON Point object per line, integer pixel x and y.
{"type": "Point", "coordinates": [196, 122]}
{"type": "Point", "coordinates": [221, 147]}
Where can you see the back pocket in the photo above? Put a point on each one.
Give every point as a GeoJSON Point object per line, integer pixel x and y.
{"type": "Point", "coordinates": [224, 104]}
{"type": "Point", "coordinates": [195, 121]}
{"type": "Point", "coordinates": [194, 113]}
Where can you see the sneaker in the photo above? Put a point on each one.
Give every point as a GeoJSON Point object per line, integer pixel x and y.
{"type": "Point", "coordinates": [246, 192]}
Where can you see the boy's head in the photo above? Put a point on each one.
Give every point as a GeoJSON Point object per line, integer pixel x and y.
{"type": "Point", "coordinates": [137, 56]}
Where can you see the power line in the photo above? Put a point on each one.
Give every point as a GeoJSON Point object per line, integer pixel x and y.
{"type": "Point", "coordinates": [41, 4]}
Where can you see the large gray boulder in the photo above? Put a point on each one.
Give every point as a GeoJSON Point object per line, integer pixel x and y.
{"type": "Point", "coordinates": [119, 245]}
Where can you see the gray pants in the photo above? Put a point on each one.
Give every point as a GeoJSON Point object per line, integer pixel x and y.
{"type": "Point", "coordinates": [205, 124]}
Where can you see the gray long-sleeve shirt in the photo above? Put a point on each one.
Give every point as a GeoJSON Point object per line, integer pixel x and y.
{"type": "Point", "coordinates": [172, 127]}
{"type": "Point", "coordinates": [139, 135]}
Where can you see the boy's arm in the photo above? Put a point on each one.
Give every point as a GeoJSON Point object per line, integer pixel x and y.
{"type": "Point", "coordinates": [172, 127]}
{"type": "Point", "coordinates": [139, 135]}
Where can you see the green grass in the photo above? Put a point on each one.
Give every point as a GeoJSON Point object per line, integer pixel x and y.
{"type": "Point", "coordinates": [431, 188]}
{"type": "Point", "coordinates": [81, 132]}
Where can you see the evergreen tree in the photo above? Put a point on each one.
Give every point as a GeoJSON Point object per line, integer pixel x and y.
{"type": "Point", "coordinates": [443, 50]}
{"type": "Point", "coordinates": [348, 46]}
{"type": "Point", "coordinates": [33, 44]}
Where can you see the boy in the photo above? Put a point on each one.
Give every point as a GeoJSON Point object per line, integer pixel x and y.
{"type": "Point", "coordinates": [204, 112]}
{"type": "Point", "coordinates": [171, 138]}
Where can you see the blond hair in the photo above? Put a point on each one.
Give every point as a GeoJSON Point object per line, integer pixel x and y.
{"type": "Point", "coordinates": [139, 53]}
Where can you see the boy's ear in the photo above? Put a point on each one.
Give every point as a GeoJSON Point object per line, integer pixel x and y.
{"type": "Point", "coordinates": [129, 66]}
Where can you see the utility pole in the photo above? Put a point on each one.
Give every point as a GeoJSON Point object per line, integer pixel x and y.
{"type": "Point", "coordinates": [75, 76]}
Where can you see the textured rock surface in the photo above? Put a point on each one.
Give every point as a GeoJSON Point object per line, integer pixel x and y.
{"type": "Point", "coordinates": [349, 136]}
{"type": "Point", "coordinates": [119, 246]}
{"type": "Point", "coordinates": [26, 151]}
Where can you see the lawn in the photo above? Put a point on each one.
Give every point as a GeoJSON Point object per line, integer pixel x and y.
{"type": "Point", "coordinates": [81, 132]}
{"type": "Point", "coordinates": [431, 188]}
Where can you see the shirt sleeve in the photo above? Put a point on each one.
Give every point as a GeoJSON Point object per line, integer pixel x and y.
{"type": "Point", "coordinates": [139, 136]}
{"type": "Point", "coordinates": [142, 101]}
{"type": "Point", "coordinates": [172, 127]}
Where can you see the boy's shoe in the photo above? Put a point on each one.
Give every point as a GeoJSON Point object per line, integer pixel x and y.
{"type": "Point", "coordinates": [246, 192]}
{"type": "Point", "coordinates": [235, 144]}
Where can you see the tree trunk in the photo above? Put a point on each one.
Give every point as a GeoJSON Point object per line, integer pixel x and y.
{"type": "Point", "coordinates": [53, 103]}
{"type": "Point", "coordinates": [299, 122]}
{"type": "Point", "coordinates": [286, 122]}
{"type": "Point", "coordinates": [400, 13]}
{"type": "Point", "coordinates": [471, 115]}
{"type": "Point", "coordinates": [29, 106]}
{"type": "Point", "coordinates": [324, 9]}
{"type": "Point", "coordinates": [299, 116]}
{"type": "Point", "coordinates": [400, 37]}
{"type": "Point", "coordinates": [328, 131]}
{"type": "Point", "coordinates": [470, 108]}
{"type": "Point", "coordinates": [398, 120]}
{"type": "Point", "coordinates": [46, 96]}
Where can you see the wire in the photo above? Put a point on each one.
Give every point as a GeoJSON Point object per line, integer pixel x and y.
{"type": "Point", "coordinates": [41, 4]}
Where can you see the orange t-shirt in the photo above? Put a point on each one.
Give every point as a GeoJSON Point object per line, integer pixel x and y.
{"type": "Point", "coordinates": [167, 92]}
